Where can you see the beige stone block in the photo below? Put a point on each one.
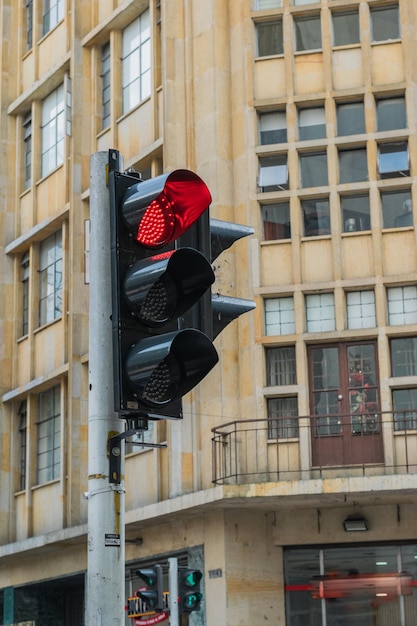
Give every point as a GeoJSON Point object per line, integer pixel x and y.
{"type": "Point", "coordinates": [317, 261]}
{"type": "Point", "coordinates": [308, 73]}
{"type": "Point", "coordinates": [387, 64]}
{"type": "Point", "coordinates": [393, 262]}
{"type": "Point", "coordinates": [270, 78]}
{"type": "Point", "coordinates": [278, 256]}
{"type": "Point", "coordinates": [357, 256]}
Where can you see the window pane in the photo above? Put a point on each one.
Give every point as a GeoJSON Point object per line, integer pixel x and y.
{"type": "Point", "coordinates": [53, 130]}
{"type": "Point", "coordinates": [345, 28]}
{"type": "Point", "coordinates": [391, 114]}
{"type": "Point", "coordinates": [313, 168]}
{"type": "Point", "coordinates": [311, 123]}
{"type": "Point", "coordinates": [276, 221]}
{"type": "Point", "coordinates": [260, 5]}
{"type": "Point", "coordinates": [269, 38]}
{"type": "Point", "coordinates": [272, 127]}
{"type": "Point", "coordinates": [273, 173]}
{"type": "Point", "coordinates": [405, 407]}
{"type": "Point", "coordinates": [299, 2]}
{"type": "Point", "coordinates": [355, 213]}
{"type": "Point", "coordinates": [320, 312]}
{"type": "Point", "coordinates": [353, 166]}
{"type": "Point", "coordinates": [396, 209]}
{"type": "Point", "coordinates": [280, 366]}
{"type": "Point", "coordinates": [393, 160]}
{"type": "Point", "coordinates": [404, 356]}
{"type": "Point", "coordinates": [286, 410]}
{"type": "Point", "coordinates": [360, 309]}
{"type": "Point", "coordinates": [279, 316]}
{"type": "Point", "coordinates": [402, 305]}
{"type": "Point", "coordinates": [316, 217]}
{"type": "Point", "coordinates": [136, 62]}
{"type": "Point", "coordinates": [385, 23]}
{"type": "Point", "coordinates": [350, 119]}
{"type": "Point", "coordinates": [308, 33]}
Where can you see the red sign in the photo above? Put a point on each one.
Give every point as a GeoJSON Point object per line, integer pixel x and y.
{"type": "Point", "coordinates": [154, 619]}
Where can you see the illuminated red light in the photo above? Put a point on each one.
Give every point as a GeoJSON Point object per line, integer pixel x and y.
{"type": "Point", "coordinates": [183, 199]}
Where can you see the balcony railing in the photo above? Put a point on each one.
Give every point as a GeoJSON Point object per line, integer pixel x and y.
{"type": "Point", "coordinates": [305, 447]}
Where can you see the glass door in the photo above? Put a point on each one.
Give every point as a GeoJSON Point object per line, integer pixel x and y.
{"type": "Point", "coordinates": [344, 404]}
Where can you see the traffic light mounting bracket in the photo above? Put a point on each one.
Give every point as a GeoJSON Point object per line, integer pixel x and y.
{"type": "Point", "coordinates": [135, 425]}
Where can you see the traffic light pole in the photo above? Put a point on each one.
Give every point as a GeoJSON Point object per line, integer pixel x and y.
{"type": "Point", "coordinates": [173, 592]}
{"type": "Point", "coordinates": [106, 503]}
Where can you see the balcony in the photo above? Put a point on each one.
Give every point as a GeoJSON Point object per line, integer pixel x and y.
{"type": "Point", "coordinates": [320, 447]}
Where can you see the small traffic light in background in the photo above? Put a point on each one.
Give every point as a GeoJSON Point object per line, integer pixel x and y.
{"type": "Point", "coordinates": [189, 592]}
{"type": "Point", "coordinates": [153, 284]}
{"type": "Point", "coordinates": [153, 596]}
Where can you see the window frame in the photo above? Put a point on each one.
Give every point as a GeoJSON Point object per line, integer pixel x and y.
{"type": "Point", "coordinates": [339, 14]}
{"type": "Point", "coordinates": [374, 11]}
{"type": "Point", "coordinates": [50, 291]}
{"type": "Point", "coordinates": [284, 315]}
{"type": "Point", "coordinates": [53, 130]}
{"type": "Point", "coordinates": [321, 227]}
{"type": "Point", "coordinates": [52, 14]}
{"type": "Point", "coordinates": [266, 48]}
{"type": "Point", "coordinates": [136, 62]}
{"type": "Point", "coordinates": [308, 46]}
{"type": "Point", "coordinates": [49, 432]}
{"type": "Point", "coordinates": [105, 85]}
{"type": "Point", "coordinates": [273, 230]}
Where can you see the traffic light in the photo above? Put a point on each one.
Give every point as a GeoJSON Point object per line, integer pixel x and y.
{"type": "Point", "coordinates": [189, 592]}
{"type": "Point", "coordinates": [155, 362]}
{"type": "Point", "coordinates": [153, 596]}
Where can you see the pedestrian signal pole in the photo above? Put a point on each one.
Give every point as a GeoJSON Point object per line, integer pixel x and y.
{"type": "Point", "coordinates": [106, 556]}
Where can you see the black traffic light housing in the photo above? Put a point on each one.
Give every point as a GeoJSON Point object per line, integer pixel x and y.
{"type": "Point", "coordinates": [154, 361]}
{"type": "Point", "coordinates": [189, 592]}
{"type": "Point", "coordinates": [213, 312]}
{"type": "Point", "coordinates": [153, 596]}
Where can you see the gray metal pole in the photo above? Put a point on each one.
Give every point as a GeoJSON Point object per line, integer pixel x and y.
{"type": "Point", "coordinates": [105, 600]}
{"type": "Point", "coordinates": [173, 592]}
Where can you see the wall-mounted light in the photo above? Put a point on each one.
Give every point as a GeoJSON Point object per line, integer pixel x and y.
{"type": "Point", "coordinates": [355, 524]}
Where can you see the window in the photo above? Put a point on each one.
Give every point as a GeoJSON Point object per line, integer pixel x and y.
{"type": "Point", "coordinates": [105, 85]}
{"type": "Point", "coordinates": [276, 221]}
{"type": "Point", "coordinates": [53, 128]}
{"type": "Point", "coordinates": [311, 123]}
{"type": "Point", "coordinates": [404, 356]}
{"type": "Point", "coordinates": [393, 159]}
{"type": "Point", "coordinates": [269, 38]}
{"type": "Point", "coordinates": [52, 13]}
{"type": "Point", "coordinates": [355, 213]}
{"type": "Point", "coordinates": [280, 366]}
{"type": "Point", "coordinates": [50, 279]}
{"type": "Point", "coordinates": [320, 313]}
{"type": "Point", "coordinates": [405, 409]}
{"type": "Point", "coordinates": [391, 114]}
{"type": "Point", "coordinates": [22, 442]}
{"type": "Point", "coordinates": [273, 173]}
{"type": "Point", "coordinates": [350, 118]}
{"type": "Point", "coordinates": [360, 309]}
{"type": "Point", "coordinates": [299, 2]}
{"type": "Point", "coordinates": [282, 418]}
{"type": "Point", "coordinates": [353, 166]}
{"type": "Point", "coordinates": [402, 305]}
{"type": "Point", "coordinates": [396, 208]}
{"type": "Point", "coordinates": [345, 28]}
{"type": "Point", "coordinates": [313, 169]}
{"type": "Point", "coordinates": [27, 148]}
{"type": "Point", "coordinates": [29, 24]}
{"type": "Point", "coordinates": [385, 23]}
{"type": "Point", "coordinates": [279, 316]}
{"type": "Point", "coordinates": [260, 5]}
{"type": "Point", "coordinates": [316, 217]}
{"type": "Point", "coordinates": [307, 33]}
{"type": "Point", "coordinates": [272, 127]}
{"type": "Point", "coordinates": [49, 435]}
{"type": "Point", "coordinates": [136, 62]}
{"type": "Point", "coordinates": [24, 264]}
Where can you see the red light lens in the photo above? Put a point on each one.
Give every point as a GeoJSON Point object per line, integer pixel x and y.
{"type": "Point", "coordinates": [182, 201]}
{"type": "Point", "coordinates": [157, 224]}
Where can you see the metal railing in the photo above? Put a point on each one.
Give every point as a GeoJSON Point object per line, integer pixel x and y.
{"type": "Point", "coordinates": [306, 447]}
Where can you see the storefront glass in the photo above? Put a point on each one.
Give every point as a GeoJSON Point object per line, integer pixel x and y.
{"type": "Point", "coordinates": [366, 585]}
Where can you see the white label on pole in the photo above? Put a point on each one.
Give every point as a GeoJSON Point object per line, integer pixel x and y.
{"type": "Point", "coordinates": [111, 539]}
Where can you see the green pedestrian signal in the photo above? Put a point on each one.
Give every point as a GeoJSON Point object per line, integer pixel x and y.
{"type": "Point", "coordinates": [190, 595]}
